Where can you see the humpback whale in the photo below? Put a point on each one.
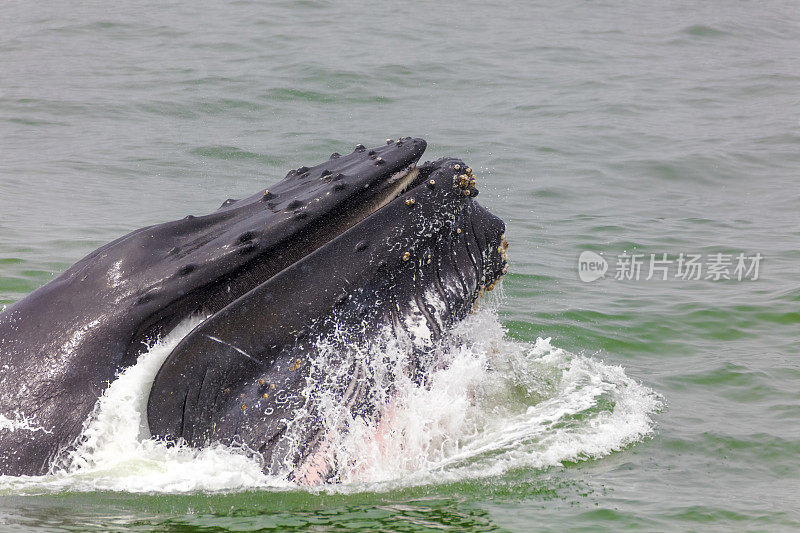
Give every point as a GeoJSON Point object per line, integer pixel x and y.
{"type": "Point", "coordinates": [294, 282]}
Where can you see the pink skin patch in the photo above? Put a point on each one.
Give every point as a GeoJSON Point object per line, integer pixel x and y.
{"type": "Point", "coordinates": [316, 469]}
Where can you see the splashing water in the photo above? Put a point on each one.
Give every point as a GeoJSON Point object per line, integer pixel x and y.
{"type": "Point", "coordinates": [498, 404]}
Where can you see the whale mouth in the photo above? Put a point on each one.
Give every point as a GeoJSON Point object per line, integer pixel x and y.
{"type": "Point", "coordinates": [406, 214]}
{"type": "Point", "coordinates": [413, 262]}
{"type": "Point", "coordinates": [406, 179]}
{"type": "Point", "coordinates": [398, 184]}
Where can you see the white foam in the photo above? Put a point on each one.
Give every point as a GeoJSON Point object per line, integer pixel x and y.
{"type": "Point", "coordinates": [498, 404]}
{"type": "Point", "coordinates": [20, 422]}
{"type": "Point", "coordinates": [115, 451]}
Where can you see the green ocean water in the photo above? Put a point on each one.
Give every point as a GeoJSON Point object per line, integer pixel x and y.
{"type": "Point", "coordinates": [641, 128]}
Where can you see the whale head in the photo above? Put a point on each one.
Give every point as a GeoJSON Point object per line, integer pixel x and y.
{"type": "Point", "coordinates": [362, 243]}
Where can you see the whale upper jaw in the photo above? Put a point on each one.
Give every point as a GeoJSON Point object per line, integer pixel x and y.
{"type": "Point", "coordinates": [198, 265]}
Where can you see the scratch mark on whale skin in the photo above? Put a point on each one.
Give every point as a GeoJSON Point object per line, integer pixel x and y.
{"type": "Point", "coordinates": [235, 348]}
